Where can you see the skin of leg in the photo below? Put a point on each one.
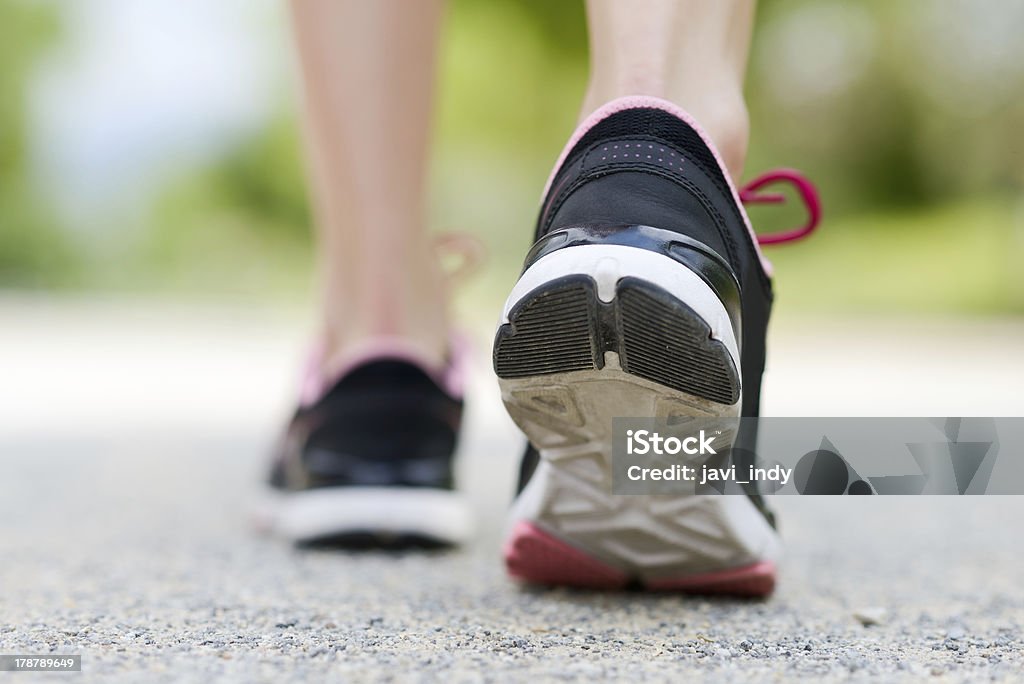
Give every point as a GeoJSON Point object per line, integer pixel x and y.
{"type": "Point", "coordinates": [690, 52]}
{"type": "Point", "coordinates": [368, 82]}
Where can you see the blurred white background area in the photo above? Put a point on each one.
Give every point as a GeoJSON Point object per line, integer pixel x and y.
{"type": "Point", "coordinates": [138, 90]}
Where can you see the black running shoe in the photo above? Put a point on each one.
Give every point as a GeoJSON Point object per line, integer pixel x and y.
{"type": "Point", "coordinates": [367, 458]}
{"type": "Point", "coordinates": [645, 294]}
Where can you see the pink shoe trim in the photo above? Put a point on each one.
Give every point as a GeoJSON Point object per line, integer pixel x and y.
{"type": "Point", "coordinates": [751, 580]}
{"type": "Point", "coordinates": [649, 102]}
{"type": "Point", "coordinates": [454, 374]}
{"type": "Point", "coordinates": [537, 557]}
{"type": "Point", "coordinates": [451, 377]}
{"type": "Point", "coordinates": [750, 194]}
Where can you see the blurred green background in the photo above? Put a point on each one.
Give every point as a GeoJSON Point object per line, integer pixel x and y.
{"type": "Point", "coordinates": [908, 116]}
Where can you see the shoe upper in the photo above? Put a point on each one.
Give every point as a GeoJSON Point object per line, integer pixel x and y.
{"type": "Point", "coordinates": [643, 162]}
{"type": "Point", "coordinates": [385, 423]}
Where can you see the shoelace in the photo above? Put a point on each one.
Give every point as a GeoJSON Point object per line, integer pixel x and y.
{"type": "Point", "coordinates": [459, 254]}
{"type": "Point", "coordinates": [808, 193]}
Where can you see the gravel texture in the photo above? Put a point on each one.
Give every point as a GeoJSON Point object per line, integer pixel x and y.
{"type": "Point", "coordinates": [130, 462]}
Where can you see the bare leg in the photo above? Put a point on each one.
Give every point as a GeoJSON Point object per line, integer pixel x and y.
{"type": "Point", "coordinates": [691, 52]}
{"type": "Point", "coordinates": [368, 71]}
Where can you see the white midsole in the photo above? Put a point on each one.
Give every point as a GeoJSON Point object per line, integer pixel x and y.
{"type": "Point", "coordinates": [607, 264]}
{"type": "Point", "coordinates": [435, 513]}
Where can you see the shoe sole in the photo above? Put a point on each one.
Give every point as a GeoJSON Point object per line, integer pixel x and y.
{"type": "Point", "coordinates": [592, 333]}
{"type": "Point", "coordinates": [385, 517]}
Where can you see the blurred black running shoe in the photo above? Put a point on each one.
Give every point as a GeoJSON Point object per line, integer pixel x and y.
{"type": "Point", "coordinates": [367, 460]}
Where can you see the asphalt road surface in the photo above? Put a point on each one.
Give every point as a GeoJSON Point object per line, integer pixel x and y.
{"type": "Point", "coordinates": [133, 436]}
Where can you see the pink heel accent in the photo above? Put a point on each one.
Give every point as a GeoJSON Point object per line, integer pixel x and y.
{"type": "Point", "coordinates": [751, 580]}
{"type": "Point", "coordinates": [537, 557]}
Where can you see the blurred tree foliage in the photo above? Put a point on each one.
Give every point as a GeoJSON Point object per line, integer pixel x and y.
{"type": "Point", "coordinates": [878, 125]}
{"type": "Point", "coordinates": [510, 81]}
{"type": "Point", "coordinates": [907, 115]}
{"type": "Point", "coordinates": [890, 104]}
{"type": "Point", "coordinates": [509, 85]}
{"type": "Point", "coordinates": [33, 250]}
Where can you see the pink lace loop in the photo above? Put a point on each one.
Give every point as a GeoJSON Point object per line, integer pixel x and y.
{"type": "Point", "coordinates": [808, 193]}
{"type": "Point", "coordinates": [460, 255]}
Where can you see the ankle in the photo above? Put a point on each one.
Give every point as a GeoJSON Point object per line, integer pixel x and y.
{"type": "Point", "coordinates": [725, 119]}
{"type": "Point", "coordinates": [340, 347]}
{"type": "Point", "coordinates": [399, 297]}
